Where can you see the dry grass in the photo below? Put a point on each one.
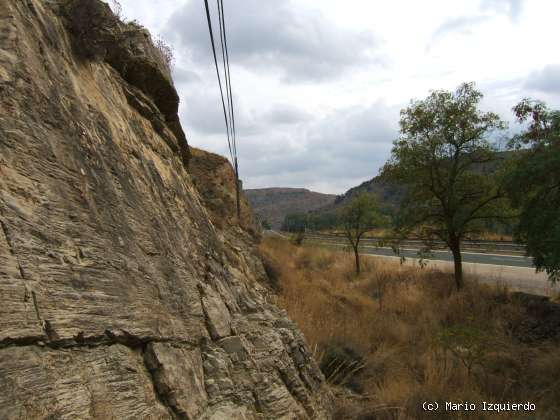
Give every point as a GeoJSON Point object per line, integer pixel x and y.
{"type": "Point", "coordinates": [397, 336]}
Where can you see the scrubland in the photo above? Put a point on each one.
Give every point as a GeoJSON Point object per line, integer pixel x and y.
{"type": "Point", "coordinates": [397, 336]}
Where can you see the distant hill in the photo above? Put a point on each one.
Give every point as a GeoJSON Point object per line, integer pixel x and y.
{"type": "Point", "coordinates": [390, 194]}
{"type": "Point", "coordinates": [327, 217]}
{"type": "Point", "coordinates": [387, 193]}
{"type": "Point", "coordinates": [273, 204]}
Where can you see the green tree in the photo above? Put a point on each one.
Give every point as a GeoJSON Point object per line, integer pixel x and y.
{"type": "Point", "coordinates": [534, 184]}
{"type": "Point", "coordinates": [358, 217]}
{"type": "Point", "coordinates": [295, 222]}
{"type": "Point", "coordinates": [446, 163]}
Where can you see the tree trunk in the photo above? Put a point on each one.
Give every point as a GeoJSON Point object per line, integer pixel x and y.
{"type": "Point", "coordinates": [357, 255]}
{"type": "Point", "coordinates": [456, 251]}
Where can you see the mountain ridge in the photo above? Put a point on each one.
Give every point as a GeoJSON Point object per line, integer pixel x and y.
{"type": "Point", "coordinates": [272, 205]}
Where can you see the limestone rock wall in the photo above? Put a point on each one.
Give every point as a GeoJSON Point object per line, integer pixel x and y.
{"type": "Point", "coordinates": [126, 291]}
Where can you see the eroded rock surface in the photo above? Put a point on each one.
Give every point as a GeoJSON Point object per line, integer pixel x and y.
{"type": "Point", "coordinates": [129, 288]}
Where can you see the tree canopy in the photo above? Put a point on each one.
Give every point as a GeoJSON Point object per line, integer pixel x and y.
{"type": "Point", "coordinates": [447, 163]}
{"type": "Point", "coordinates": [534, 184]}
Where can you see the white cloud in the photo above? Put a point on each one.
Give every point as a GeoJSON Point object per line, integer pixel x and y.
{"type": "Point", "coordinates": [276, 36]}
{"type": "Point", "coordinates": [546, 80]}
{"type": "Point", "coordinates": [318, 83]}
{"type": "Point", "coordinates": [512, 8]}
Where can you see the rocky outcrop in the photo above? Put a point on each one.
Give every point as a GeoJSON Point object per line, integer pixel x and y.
{"type": "Point", "coordinates": [214, 178]}
{"type": "Point", "coordinates": [96, 34]}
{"type": "Point", "coordinates": [127, 290]}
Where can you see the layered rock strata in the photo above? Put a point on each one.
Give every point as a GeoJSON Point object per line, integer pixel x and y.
{"type": "Point", "coordinates": [128, 287]}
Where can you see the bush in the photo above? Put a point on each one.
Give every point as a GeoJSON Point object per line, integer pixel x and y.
{"type": "Point", "coordinates": [341, 366]}
{"type": "Point", "coordinates": [468, 343]}
{"type": "Point", "coordinates": [298, 238]}
{"type": "Point", "coordinates": [166, 51]}
{"type": "Point", "coordinates": [272, 273]}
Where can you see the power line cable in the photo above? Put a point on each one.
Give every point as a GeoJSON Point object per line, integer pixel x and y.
{"type": "Point", "coordinates": [223, 39]}
{"type": "Point", "coordinates": [230, 123]}
{"type": "Point", "coordinates": [221, 11]}
{"type": "Point", "coordinates": [219, 78]}
{"type": "Point", "coordinates": [226, 75]}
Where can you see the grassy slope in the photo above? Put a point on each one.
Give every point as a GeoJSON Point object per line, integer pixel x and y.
{"type": "Point", "coordinates": [397, 336]}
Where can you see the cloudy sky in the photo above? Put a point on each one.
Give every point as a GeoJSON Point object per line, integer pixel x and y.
{"type": "Point", "coordinates": [318, 84]}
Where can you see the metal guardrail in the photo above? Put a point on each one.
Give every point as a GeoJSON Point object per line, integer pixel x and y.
{"type": "Point", "coordinates": [480, 245]}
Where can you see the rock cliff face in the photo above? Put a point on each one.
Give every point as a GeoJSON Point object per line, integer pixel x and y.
{"type": "Point", "coordinates": [128, 288]}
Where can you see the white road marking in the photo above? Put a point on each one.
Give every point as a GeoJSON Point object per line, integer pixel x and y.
{"type": "Point", "coordinates": [438, 250]}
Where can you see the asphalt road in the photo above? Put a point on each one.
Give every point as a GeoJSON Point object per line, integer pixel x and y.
{"type": "Point", "coordinates": [514, 271]}
{"type": "Point", "coordinates": [468, 257]}
{"type": "Point", "coordinates": [475, 257]}
{"type": "Point", "coordinates": [442, 255]}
